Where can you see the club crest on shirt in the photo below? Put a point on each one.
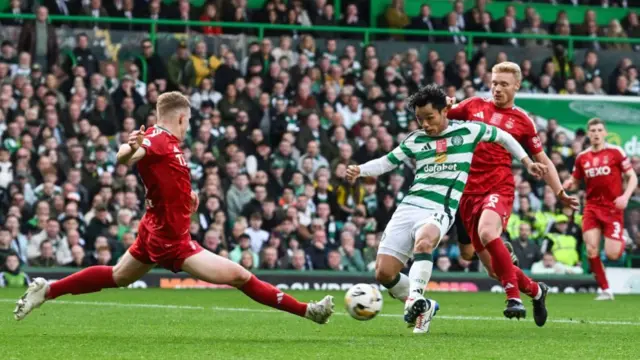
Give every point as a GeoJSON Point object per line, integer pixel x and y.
{"type": "Point", "coordinates": [456, 140]}
{"type": "Point", "coordinates": [441, 151]}
{"type": "Point", "coordinates": [509, 123]}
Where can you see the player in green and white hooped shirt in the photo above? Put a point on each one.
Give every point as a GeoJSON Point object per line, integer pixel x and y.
{"type": "Point", "coordinates": [443, 151]}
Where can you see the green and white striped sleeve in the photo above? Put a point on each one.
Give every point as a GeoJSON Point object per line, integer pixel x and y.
{"type": "Point", "coordinates": [398, 155]}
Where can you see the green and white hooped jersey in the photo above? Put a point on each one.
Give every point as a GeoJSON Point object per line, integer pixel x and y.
{"type": "Point", "coordinates": [442, 163]}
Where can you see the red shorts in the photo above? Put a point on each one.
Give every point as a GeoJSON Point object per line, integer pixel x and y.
{"type": "Point", "coordinates": [168, 253]}
{"type": "Point", "coordinates": [472, 206]}
{"type": "Point", "coordinates": [609, 220]}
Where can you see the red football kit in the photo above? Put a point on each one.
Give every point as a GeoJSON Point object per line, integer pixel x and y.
{"type": "Point", "coordinates": [490, 184]}
{"type": "Point", "coordinates": [163, 236]}
{"type": "Point", "coordinates": [602, 173]}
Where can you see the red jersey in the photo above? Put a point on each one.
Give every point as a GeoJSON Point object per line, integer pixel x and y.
{"type": "Point", "coordinates": [491, 165]}
{"type": "Point", "coordinates": [167, 182]}
{"type": "Point", "coordinates": [602, 173]}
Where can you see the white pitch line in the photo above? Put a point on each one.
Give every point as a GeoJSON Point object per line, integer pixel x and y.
{"type": "Point", "coordinates": [230, 309]}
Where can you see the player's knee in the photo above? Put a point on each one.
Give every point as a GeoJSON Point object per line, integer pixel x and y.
{"type": "Point", "coordinates": [467, 252]}
{"type": "Point", "coordinates": [488, 232]}
{"type": "Point", "coordinates": [384, 276]}
{"type": "Point", "coordinates": [424, 245]}
{"type": "Point", "coordinates": [121, 279]}
{"type": "Point", "coordinates": [613, 255]}
{"type": "Point", "coordinates": [592, 251]}
{"type": "Point", "coordinates": [241, 277]}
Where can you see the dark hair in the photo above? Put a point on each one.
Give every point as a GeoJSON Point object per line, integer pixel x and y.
{"type": "Point", "coordinates": [430, 94]}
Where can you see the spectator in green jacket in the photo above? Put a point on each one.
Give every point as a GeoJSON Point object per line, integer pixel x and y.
{"type": "Point", "coordinates": [180, 69]}
{"type": "Point", "coordinates": [13, 277]}
{"type": "Point", "coordinates": [351, 257]}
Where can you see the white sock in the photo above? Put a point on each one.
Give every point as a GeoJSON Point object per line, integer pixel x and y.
{"type": "Point", "coordinates": [419, 275]}
{"type": "Point", "coordinates": [400, 290]}
{"type": "Point", "coordinates": [539, 295]}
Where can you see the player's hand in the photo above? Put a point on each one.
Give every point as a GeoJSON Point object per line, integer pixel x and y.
{"type": "Point", "coordinates": [538, 170]}
{"type": "Point", "coordinates": [568, 184]}
{"type": "Point", "coordinates": [195, 202]}
{"type": "Point", "coordinates": [135, 138]}
{"type": "Point", "coordinates": [621, 202]}
{"type": "Point", "coordinates": [450, 101]}
{"type": "Point", "coordinates": [353, 171]}
{"type": "Point", "coordinates": [570, 201]}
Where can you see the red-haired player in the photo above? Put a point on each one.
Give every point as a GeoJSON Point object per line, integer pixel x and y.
{"type": "Point", "coordinates": [487, 201]}
{"type": "Point", "coordinates": [163, 235]}
{"type": "Point", "coordinates": [602, 167]}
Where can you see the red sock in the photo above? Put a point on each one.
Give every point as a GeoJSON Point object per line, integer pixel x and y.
{"type": "Point", "coordinates": [525, 284]}
{"type": "Point", "coordinates": [91, 279]}
{"type": "Point", "coordinates": [503, 267]}
{"type": "Point", "coordinates": [597, 268]}
{"type": "Point", "coordinates": [269, 295]}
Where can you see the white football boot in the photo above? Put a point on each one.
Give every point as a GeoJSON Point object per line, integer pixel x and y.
{"type": "Point", "coordinates": [413, 307]}
{"type": "Point", "coordinates": [423, 321]}
{"type": "Point", "coordinates": [320, 311]}
{"type": "Point", "coordinates": [32, 299]}
{"type": "Point", "coordinates": [605, 295]}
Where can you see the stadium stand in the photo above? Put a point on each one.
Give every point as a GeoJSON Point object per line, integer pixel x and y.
{"type": "Point", "coordinates": [285, 96]}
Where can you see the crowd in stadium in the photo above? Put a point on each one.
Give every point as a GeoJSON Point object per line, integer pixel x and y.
{"type": "Point", "coordinates": [270, 138]}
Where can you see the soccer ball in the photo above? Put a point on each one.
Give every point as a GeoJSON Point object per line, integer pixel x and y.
{"type": "Point", "coordinates": [363, 302]}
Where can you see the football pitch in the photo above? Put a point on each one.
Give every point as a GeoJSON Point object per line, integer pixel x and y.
{"type": "Point", "coordinates": [224, 324]}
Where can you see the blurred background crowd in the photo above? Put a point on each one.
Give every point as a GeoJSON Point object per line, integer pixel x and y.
{"type": "Point", "coordinates": [274, 127]}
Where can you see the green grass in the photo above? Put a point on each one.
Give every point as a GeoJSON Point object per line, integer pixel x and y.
{"type": "Point", "coordinates": [197, 324]}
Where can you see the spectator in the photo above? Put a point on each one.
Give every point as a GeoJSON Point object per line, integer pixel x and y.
{"type": "Point", "coordinates": [326, 18]}
{"type": "Point", "coordinates": [211, 14]}
{"type": "Point", "coordinates": [396, 17]}
{"type": "Point", "coordinates": [244, 246]}
{"type": "Point", "coordinates": [560, 243]}
{"type": "Point", "coordinates": [78, 258]}
{"type": "Point", "coordinates": [96, 11]}
{"type": "Point", "coordinates": [12, 276]}
{"type": "Point", "coordinates": [615, 31]}
{"type": "Point", "coordinates": [351, 19]}
{"type": "Point", "coordinates": [549, 265]}
{"type": "Point", "coordinates": [39, 38]}
{"type": "Point", "coordinates": [525, 249]}
{"type": "Point", "coordinates": [535, 28]}
{"type": "Point", "coordinates": [258, 236]}
{"type": "Point", "coordinates": [58, 243]}
{"type": "Point", "coordinates": [424, 21]}
{"type": "Point", "coordinates": [334, 261]}
{"type": "Point", "coordinates": [298, 261]}
{"type": "Point", "coordinates": [352, 260]}
{"type": "Point", "coordinates": [443, 264]}
{"type": "Point", "coordinates": [238, 196]}
{"type": "Point", "coordinates": [180, 69]}
{"type": "Point", "coordinates": [270, 259]}
{"type": "Point", "coordinates": [46, 256]}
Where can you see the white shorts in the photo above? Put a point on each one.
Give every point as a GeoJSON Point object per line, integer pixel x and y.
{"type": "Point", "coordinates": [399, 235]}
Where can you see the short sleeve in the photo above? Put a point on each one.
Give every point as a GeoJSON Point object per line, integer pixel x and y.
{"type": "Point", "coordinates": [625, 163]}
{"type": "Point", "coordinates": [460, 111]}
{"type": "Point", "coordinates": [578, 171]}
{"type": "Point", "coordinates": [151, 142]}
{"type": "Point", "coordinates": [530, 138]}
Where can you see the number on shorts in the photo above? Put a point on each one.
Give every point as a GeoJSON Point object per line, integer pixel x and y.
{"type": "Point", "coordinates": [493, 200]}
{"type": "Point", "coordinates": [616, 230]}
{"type": "Point", "coordinates": [439, 218]}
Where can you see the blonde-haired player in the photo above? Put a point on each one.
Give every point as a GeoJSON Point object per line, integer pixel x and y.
{"type": "Point", "coordinates": [486, 204]}
{"type": "Point", "coordinates": [163, 235]}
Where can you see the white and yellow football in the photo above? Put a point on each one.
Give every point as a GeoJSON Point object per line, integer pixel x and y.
{"type": "Point", "coordinates": [363, 301]}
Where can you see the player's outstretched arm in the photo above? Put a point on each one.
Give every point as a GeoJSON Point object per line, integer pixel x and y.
{"type": "Point", "coordinates": [553, 179]}
{"type": "Point", "coordinates": [493, 134]}
{"type": "Point", "coordinates": [132, 151]}
{"type": "Point", "coordinates": [375, 167]}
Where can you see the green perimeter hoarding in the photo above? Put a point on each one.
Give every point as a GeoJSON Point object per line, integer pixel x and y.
{"type": "Point", "coordinates": [620, 113]}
